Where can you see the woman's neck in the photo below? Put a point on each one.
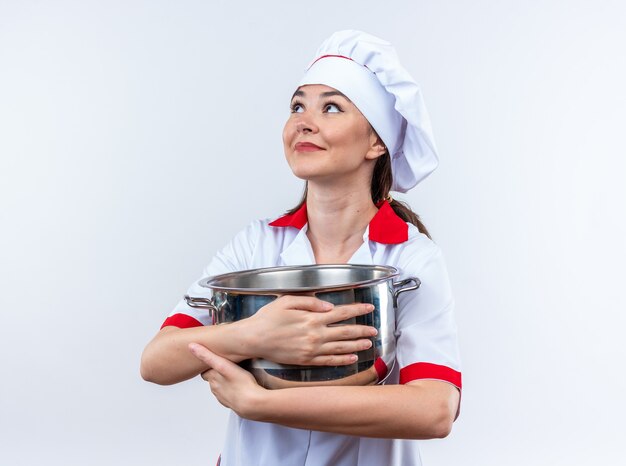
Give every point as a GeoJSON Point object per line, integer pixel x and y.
{"type": "Point", "coordinates": [337, 219]}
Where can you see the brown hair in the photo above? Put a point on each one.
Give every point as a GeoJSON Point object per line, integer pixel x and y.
{"type": "Point", "coordinates": [382, 179]}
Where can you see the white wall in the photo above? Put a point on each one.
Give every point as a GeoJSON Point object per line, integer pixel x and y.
{"type": "Point", "coordinates": [137, 137]}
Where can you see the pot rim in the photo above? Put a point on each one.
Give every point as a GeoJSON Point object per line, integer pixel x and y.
{"type": "Point", "coordinates": [210, 282]}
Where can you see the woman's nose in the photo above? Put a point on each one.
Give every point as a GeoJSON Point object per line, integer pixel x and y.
{"type": "Point", "coordinates": [305, 126]}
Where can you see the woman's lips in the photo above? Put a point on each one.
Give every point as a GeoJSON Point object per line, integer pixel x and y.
{"type": "Point", "coordinates": [307, 147]}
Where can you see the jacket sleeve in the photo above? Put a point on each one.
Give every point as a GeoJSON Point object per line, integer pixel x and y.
{"type": "Point", "coordinates": [427, 346]}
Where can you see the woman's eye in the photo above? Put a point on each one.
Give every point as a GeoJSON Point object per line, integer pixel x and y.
{"type": "Point", "coordinates": [296, 108]}
{"type": "Point", "coordinates": [332, 108]}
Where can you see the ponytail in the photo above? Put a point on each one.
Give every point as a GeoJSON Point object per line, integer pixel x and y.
{"type": "Point", "coordinates": [382, 179]}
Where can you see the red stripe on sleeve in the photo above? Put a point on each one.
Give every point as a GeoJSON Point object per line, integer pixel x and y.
{"type": "Point", "coordinates": [426, 370]}
{"type": "Point", "coordinates": [181, 321]}
{"type": "Point", "coordinates": [381, 368]}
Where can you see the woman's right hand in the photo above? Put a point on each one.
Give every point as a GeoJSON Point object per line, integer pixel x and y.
{"type": "Point", "coordinates": [299, 330]}
{"type": "Point", "coordinates": [290, 330]}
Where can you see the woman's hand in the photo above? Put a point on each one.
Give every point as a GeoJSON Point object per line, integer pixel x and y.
{"type": "Point", "coordinates": [290, 330]}
{"type": "Point", "coordinates": [421, 409]}
{"type": "Point", "coordinates": [233, 386]}
{"type": "Point", "coordinates": [298, 330]}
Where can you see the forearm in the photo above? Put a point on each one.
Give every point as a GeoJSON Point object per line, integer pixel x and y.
{"type": "Point", "coordinates": [289, 330]}
{"type": "Point", "coordinates": [166, 359]}
{"type": "Point", "coordinates": [419, 411]}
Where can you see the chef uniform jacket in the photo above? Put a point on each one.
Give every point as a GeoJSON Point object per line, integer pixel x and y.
{"type": "Point", "coordinates": [426, 345]}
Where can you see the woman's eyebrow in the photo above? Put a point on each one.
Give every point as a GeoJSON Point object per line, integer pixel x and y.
{"type": "Point", "coordinates": [334, 93]}
{"type": "Point", "coordinates": [300, 93]}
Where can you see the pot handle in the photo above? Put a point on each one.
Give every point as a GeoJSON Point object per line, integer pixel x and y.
{"type": "Point", "coordinates": [410, 284]}
{"type": "Point", "coordinates": [201, 303]}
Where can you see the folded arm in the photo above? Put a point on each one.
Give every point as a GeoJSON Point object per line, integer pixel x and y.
{"type": "Point", "coordinates": [422, 409]}
{"type": "Point", "coordinates": [289, 330]}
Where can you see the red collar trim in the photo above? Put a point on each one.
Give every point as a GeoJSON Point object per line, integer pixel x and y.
{"type": "Point", "coordinates": [385, 227]}
{"type": "Point", "coordinates": [298, 219]}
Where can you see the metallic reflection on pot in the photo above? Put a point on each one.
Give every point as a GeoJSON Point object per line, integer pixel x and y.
{"type": "Point", "coordinates": [239, 295]}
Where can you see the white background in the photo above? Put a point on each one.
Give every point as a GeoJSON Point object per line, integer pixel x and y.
{"type": "Point", "coordinates": [136, 137]}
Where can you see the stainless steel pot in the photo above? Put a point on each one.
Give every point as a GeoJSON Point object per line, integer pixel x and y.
{"type": "Point", "coordinates": [240, 294]}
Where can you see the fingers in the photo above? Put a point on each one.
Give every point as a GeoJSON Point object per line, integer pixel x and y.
{"type": "Point", "coordinates": [342, 342]}
{"type": "Point", "coordinates": [349, 332]}
{"type": "Point", "coordinates": [206, 375]}
{"type": "Point", "coordinates": [339, 313]}
{"type": "Point", "coordinates": [306, 303]}
{"type": "Point", "coordinates": [213, 377]}
{"type": "Point", "coordinates": [211, 359]}
{"type": "Point", "coordinates": [347, 311]}
{"type": "Point", "coordinates": [338, 351]}
{"type": "Point", "coordinates": [334, 360]}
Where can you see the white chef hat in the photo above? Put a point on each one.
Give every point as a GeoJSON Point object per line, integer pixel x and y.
{"type": "Point", "coordinates": [366, 69]}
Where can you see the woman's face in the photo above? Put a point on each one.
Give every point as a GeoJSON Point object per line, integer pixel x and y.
{"type": "Point", "coordinates": [326, 136]}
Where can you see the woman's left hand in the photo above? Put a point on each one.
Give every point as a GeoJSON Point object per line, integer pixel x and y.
{"type": "Point", "coordinates": [233, 386]}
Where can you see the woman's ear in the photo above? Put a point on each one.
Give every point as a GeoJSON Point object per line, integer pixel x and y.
{"type": "Point", "coordinates": [377, 146]}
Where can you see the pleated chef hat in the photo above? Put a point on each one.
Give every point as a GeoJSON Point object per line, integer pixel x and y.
{"type": "Point", "coordinates": [366, 69]}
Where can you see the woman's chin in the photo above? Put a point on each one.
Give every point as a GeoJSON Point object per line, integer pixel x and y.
{"type": "Point", "coordinates": [317, 177]}
{"type": "Point", "coordinates": [306, 173]}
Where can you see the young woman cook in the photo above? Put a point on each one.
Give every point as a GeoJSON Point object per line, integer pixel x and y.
{"type": "Point", "coordinates": [357, 117]}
